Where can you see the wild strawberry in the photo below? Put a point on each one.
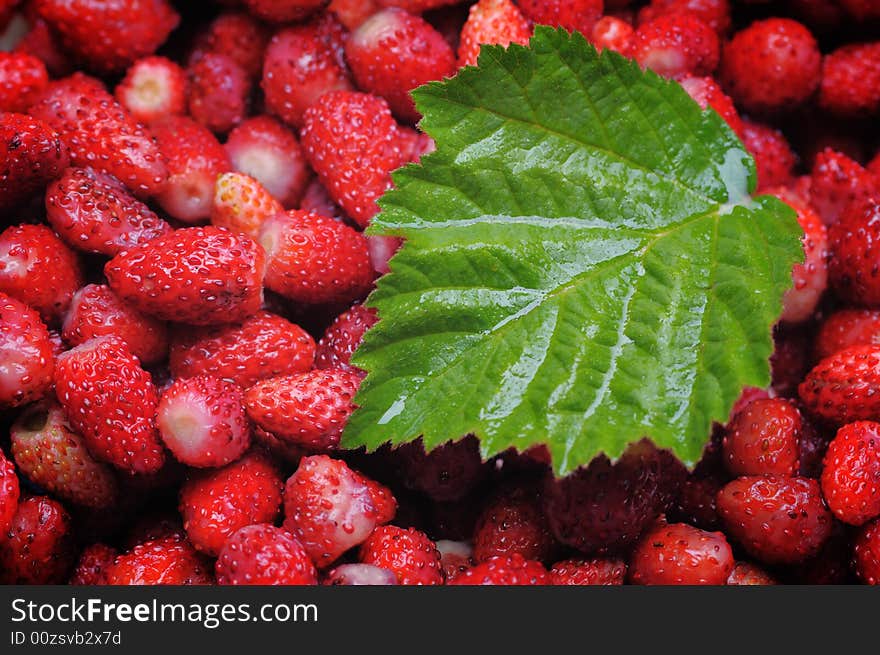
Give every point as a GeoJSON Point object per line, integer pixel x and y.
{"type": "Point", "coordinates": [746, 574]}
{"type": "Point", "coordinates": [32, 154]}
{"type": "Point", "coordinates": [263, 346]}
{"type": "Point", "coordinates": [851, 477]}
{"type": "Point", "coordinates": [267, 151]}
{"type": "Point", "coordinates": [91, 568]}
{"type": "Point", "coordinates": [855, 247]}
{"type": "Point", "coordinates": [866, 553]}
{"type": "Point", "coordinates": [341, 128]}
{"type": "Point", "coordinates": [197, 275]}
{"type": "Point", "coordinates": [605, 572]}
{"type": "Point", "coordinates": [445, 473]}
{"type": "Point", "coordinates": [38, 547]}
{"type": "Point", "coordinates": [343, 337]}
{"type": "Point", "coordinates": [573, 15]}
{"type": "Point", "coordinates": [37, 268]}
{"type": "Point", "coordinates": [236, 35]}
{"type": "Point", "coordinates": [313, 259]}
{"type": "Point", "coordinates": [111, 401]}
{"type": "Point", "coordinates": [26, 360]}
{"type": "Point", "coordinates": [762, 439]}
{"type": "Point", "coordinates": [612, 33]}
{"type": "Point", "coordinates": [95, 213]}
{"type": "Point", "coordinates": [492, 21]}
{"type": "Point", "coordinates": [675, 46]}
{"type": "Point", "coordinates": [202, 421]}
{"type": "Point", "coordinates": [43, 43]}
{"type": "Point", "coordinates": [715, 13]}
{"type": "Point", "coordinates": [301, 65]}
{"type": "Point", "coordinates": [771, 65]}
{"type": "Point", "coordinates": [9, 494]}
{"type": "Point", "coordinates": [308, 409]}
{"type": "Point", "coordinates": [513, 523]}
{"type": "Point", "coordinates": [844, 386]}
{"type": "Point", "coordinates": [836, 183]}
{"type": "Point", "coordinates": [417, 6]}
{"type": "Point", "coordinates": [456, 557]}
{"type": "Point", "coordinates": [167, 560]}
{"type": "Point", "coordinates": [101, 134]}
{"type": "Point", "coordinates": [410, 554]}
{"type": "Point", "coordinates": [153, 88]}
{"type": "Point", "coordinates": [695, 503]}
{"type": "Point", "coordinates": [394, 52]}
{"type": "Point", "coordinates": [776, 519]}
{"type": "Point", "coordinates": [242, 204]}
{"type": "Point", "coordinates": [505, 570]}
{"type": "Point", "coordinates": [706, 92]}
{"type": "Point", "coordinates": [680, 554]}
{"type": "Point", "coordinates": [774, 158]}
{"type": "Point", "coordinates": [851, 80]}
{"type": "Point", "coordinates": [96, 312]}
{"type": "Point", "coordinates": [330, 508]}
{"type": "Point", "coordinates": [845, 328]}
{"type": "Point", "coordinates": [262, 554]}
{"type": "Point", "coordinates": [216, 503]}
{"type": "Point", "coordinates": [283, 11]}
{"type": "Point", "coordinates": [219, 92]}
{"type": "Point", "coordinates": [195, 159]}
{"type": "Point", "coordinates": [317, 200]}
{"type": "Point", "coordinates": [382, 249]}
{"type": "Point", "coordinates": [351, 13]}
{"type": "Point", "coordinates": [22, 78]}
{"type": "Point", "coordinates": [861, 9]}
{"type": "Point", "coordinates": [109, 36]}
{"type": "Point", "coordinates": [811, 450]}
{"type": "Point", "coordinates": [360, 575]}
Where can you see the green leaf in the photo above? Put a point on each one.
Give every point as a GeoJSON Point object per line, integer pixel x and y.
{"type": "Point", "coordinates": [583, 267]}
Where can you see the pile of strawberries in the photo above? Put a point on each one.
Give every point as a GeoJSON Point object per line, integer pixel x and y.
{"type": "Point", "coordinates": [182, 262]}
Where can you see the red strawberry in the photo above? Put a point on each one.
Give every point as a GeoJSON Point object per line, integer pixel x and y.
{"type": "Point", "coordinates": [37, 548]}
{"type": "Point", "coordinates": [97, 312]}
{"type": "Point", "coordinates": [22, 78]}
{"type": "Point", "coordinates": [197, 275]}
{"type": "Point", "coordinates": [263, 346]}
{"type": "Point", "coordinates": [237, 35]}
{"type": "Point", "coordinates": [49, 453]}
{"type": "Point", "coordinates": [351, 13]}
{"type": "Point", "coordinates": [456, 557]}
{"type": "Point", "coordinates": [317, 200]}
{"type": "Point", "coordinates": [219, 91]}
{"type": "Point", "coordinates": [9, 494]}
{"type": "Point", "coordinates": [307, 409]}
{"type": "Point", "coordinates": [195, 159]}
{"type": "Point", "coordinates": [111, 401]}
{"type": "Point", "coordinates": [573, 15]}
{"type": "Point", "coordinates": [706, 92]}
{"type": "Point", "coordinates": [505, 570]}
{"type": "Point", "coordinates": [417, 6]}
{"type": "Point", "coordinates": [242, 204]}
{"type": "Point", "coordinates": [343, 337]}
{"type": "Point", "coordinates": [675, 46]}
{"type": "Point", "coordinates": [94, 212]}
{"type": "Point", "coordinates": [283, 11]}
{"type": "Point", "coordinates": [38, 269]}
{"type": "Point", "coordinates": [32, 154]}
{"type": "Point", "coordinates": [855, 246]}
{"type": "Point", "coordinates": [360, 575]}
{"type": "Point", "coordinates": [492, 21]}
{"type": "Point", "coordinates": [330, 508]}
{"type": "Point", "coordinates": [410, 554]}
{"type": "Point", "coordinates": [91, 569]}
{"type": "Point", "coordinates": [26, 359]}
{"type": "Point", "coordinates": [845, 387]}
{"type": "Point", "coordinates": [605, 572]}
{"type": "Point", "coordinates": [446, 473]}
{"type": "Point", "coordinates": [216, 503]}
{"type": "Point", "coordinates": [715, 13]}
{"type": "Point", "coordinates": [866, 553]}
{"type": "Point", "coordinates": [776, 519]}
{"type": "Point", "coordinates": [202, 421]}
{"type": "Point", "coordinates": [612, 33]}
{"type": "Point", "coordinates": [341, 128]}
{"type": "Point", "coordinates": [773, 64]}
{"type": "Point", "coordinates": [745, 574]}
{"type": "Point", "coordinates": [774, 158]}
{"type": "Point", "coordinates": [837, 183]}
{"type": "Point", "coordinates": [301, 65]}
{"type": "Point", "coordinates": [313, 259]}
{"type": "Point", "coordinates": [851, 80]}
{"type": "Point", "coordinates": [153, 88]}
{"type": "Point", "coordinates": [43, 43]}
{"type": "Point", "coordinates": [267, 151]}
{"type": "Point", "coordinates": [101, 134]}
{"type": "Point", "coordinates": [845, 328]}
{"type": "Point", "coordinates": [110, 34]}
{"type": "Point", "coordinates": [513, 523]}
{"type": "Point", "coordinates": [394, 52]}
{"type": "Point", "coordinates": [382, 249]}
{"type": "Point", "coordinates": [679, 554]}
{"type": "Point", "coordinates": [762, 439]}
{"type": "Point", "coordinates": [167, 560]}
{"type": "Point", "coordinates": [851, 477]}
{"type": "Point", "coordinates": [262, 554]}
